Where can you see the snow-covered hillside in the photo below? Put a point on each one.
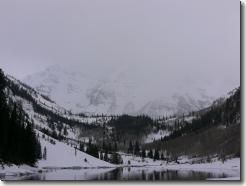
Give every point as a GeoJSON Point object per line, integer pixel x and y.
{"type": "Point", "coordinates": [117, 91]}
{"type": "Point", "coordinates": [52, 119]}
{"type": "Point", "coordinates": [63, 154]}
{"type": "Point", "coordinates": [156, 135]}
{"type": "Point", "coordinates": [60, 155]}
{"type": "Point", "coordinates": [46, 103]}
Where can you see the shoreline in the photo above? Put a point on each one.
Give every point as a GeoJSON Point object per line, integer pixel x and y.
{"type": "Point", "coordinates": [231, 167]}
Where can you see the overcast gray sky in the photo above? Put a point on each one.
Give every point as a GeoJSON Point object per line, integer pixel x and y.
{"type": "Point", "coordinates": [194, 38]}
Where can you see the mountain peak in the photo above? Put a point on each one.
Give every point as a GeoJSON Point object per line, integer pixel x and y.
{"type": "Point", "coordinates": [116, 91]}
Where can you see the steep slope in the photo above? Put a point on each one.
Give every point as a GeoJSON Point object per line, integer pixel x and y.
{"type": "Point", "coordinates": [213, 132]}
{"type": "Point", "coordinates": [18, 142]}
{"type": "Point", "coordinates": [52, 119]}
{"type": "Point", "coordinates": [57, 130]}
{"type": "Point", "coordinates": [118, 91]}
{"type": "Point", "coordinates": [60, 123]}
{"type": "Point", "coordinates": [62, 155]}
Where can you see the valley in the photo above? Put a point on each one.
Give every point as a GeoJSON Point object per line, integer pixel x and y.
{"type": "Point", "coordinates": [106, 142]}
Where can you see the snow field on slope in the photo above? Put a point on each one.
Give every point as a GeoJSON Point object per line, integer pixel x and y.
{"type": "Point", "coordinates": [156, 135]}
{"type": "Point", "coordinates": [63, 155]}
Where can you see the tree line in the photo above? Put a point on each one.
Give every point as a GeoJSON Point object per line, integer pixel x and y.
{"type": "Point", "coordinates": [18, 141]}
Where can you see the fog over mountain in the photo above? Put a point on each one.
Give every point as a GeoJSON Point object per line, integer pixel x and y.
{"type": "Point", "coordinates": [126, 56]}
{"type": "Point", "coordinates": [122, 90]}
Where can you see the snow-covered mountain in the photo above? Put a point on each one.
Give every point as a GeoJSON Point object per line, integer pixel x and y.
{"type": "Point", "coordinates": [62, 132]}
{"type": "Point", "coordinates": [49, 117]}
{"type": "Point", "coordinates": [117, 91]}
{"type": "Point", "coordinates": [58, 130]}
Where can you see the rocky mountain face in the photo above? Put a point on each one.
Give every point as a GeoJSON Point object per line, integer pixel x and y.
{"type": "Point", "coordinates": [118, 91]}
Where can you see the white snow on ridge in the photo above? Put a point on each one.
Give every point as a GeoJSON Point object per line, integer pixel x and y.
{"type": "Point", "coordinates": [52, 106]}
{"type": "Point", "coordinates": [119, 91]}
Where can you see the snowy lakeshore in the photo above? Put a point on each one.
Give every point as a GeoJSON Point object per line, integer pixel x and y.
{"type": "Point", "coordinates": [229, 170]}
{"type": "Point", "coordinates": [64, 162]}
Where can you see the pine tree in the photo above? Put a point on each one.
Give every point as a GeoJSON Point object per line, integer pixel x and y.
{"type": "Point", "coordinates": [116, 158]}
{"type": "Point", "coordinates": [101, 155]}
{"type": "Point", "coordinates": [109, 147]}
{"type": "Point", "coordinates": [65, 133]}
{"type": "Point", "coordinates": [45, 153]}
{"type": "Point", "coordinates": [130, 149]}
{"type": "Point", "coordinates": [143, 154]}
{"type": "Point", "coordinates": [156, 155]}
{"type": "Point", "coordinates": [115, 146]}
{"type": "Point", "coordinates": [18, 141]}
{"type": "Point", "coordinates": [81, 147]}
{"type": "Point", "coordinates": [150, 154]}
{"type": "Point", "coordinates": [92, 150]}
{"type": "Point", "coordinates": [38, 150]}
{"type": "Point", "coordinates": [106, 156]}
{"type": "Point", "coordinates": [136, 149]}
{"type": "Point", "coordinates": [162, 156]}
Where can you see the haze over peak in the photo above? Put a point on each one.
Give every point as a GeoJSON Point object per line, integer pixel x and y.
{"type": "Point", "coordinates": [158, 46]}
{"type": "Point", "coordinates": [123, 90]}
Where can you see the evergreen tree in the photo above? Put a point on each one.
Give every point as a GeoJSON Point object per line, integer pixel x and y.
{"type": "Point", "coordinates": [18, 141]}
{"type": "Point", "coordinates": [106, 156]}
{"type": "Point", "coordinates": [81, 147]}
{"type": "Point", "coordinates": [109, 147]}
{"type": "Point", "coordinates": [38, 150]}
{"type": "Point", "coordinates": [156, 155]}
{"type": "Point", "coordinates": [65, 133]}
{"type": "Point", "coordinates": [136, 149]}
{"type": "Point", "coordinates": [101, 155]}
{"type": "Point", "coordinates": [115, 146]}
{"type": "Point", "coordinates": [45, 153]}
{"type": "Point", "coordinates": [116, 158]}
{"type": "Point", "coordinates": [92, 150]}
{"type": "Point", "coordinates": [143, 154]}
{"type": "Point", "coordinates": [130, 149]}
{"type": "Point", "coordinates": [162, 156]}
{"type": "Point", "coordinates": [150, 154]}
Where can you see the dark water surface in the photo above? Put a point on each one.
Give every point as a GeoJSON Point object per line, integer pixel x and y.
{"type": "Point", "coordinates": [127, 173]}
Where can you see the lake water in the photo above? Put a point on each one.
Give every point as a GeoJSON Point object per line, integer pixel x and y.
{"type": "Point", "coordinates": [126, 173]}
